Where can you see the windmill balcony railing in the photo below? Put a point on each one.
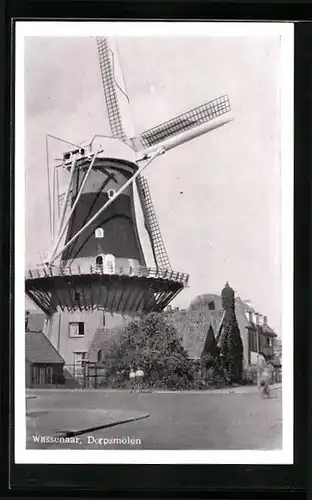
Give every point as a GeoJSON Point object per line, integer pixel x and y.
{"type": "Point", "coordinates": [87, 270]}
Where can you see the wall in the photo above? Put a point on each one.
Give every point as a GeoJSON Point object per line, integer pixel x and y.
{"type": "Point", "coordinates": [57, 330]}
{"type": "Point", "coordinates": [28, 377]}
{"type": "Point", "coordinates": [118, 220]}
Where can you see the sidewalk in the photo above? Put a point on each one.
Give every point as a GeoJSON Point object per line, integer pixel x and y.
{"type": "Point", "coordinates": [244, 389]}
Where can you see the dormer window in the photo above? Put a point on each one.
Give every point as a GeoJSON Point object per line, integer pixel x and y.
{"type": "Point", "coordinates": [99, 232]}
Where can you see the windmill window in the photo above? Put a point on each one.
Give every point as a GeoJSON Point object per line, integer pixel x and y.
{"type": "Point", "coordinates": [99, 232]}
{"type": "Point", "coordinates": [111, 193]}
{"type": "Point", "coordinates": [99, 356]}
{"type": "Point", "coordinates": [99, 260]}
{"type": "Point", "coordinates": [211, 305]}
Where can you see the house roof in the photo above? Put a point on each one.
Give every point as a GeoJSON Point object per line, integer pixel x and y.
{"type": "Point", "coordinates": [193, 327]}
{"type": "Point", "coordinates": [38, 349]}
{"type": "Point", "coordinates": [36, 321]}
{"type": "Point", "coordinates": [267, 330]}
{"type": "Point", "coordinates": [102, 340]}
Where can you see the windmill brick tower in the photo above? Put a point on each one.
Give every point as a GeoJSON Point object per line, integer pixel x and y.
{"type": "Point", "coordinates": [108, 261]}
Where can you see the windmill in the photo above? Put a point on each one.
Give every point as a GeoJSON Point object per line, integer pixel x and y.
{"type": "Point", "coordinates": [98, 272]}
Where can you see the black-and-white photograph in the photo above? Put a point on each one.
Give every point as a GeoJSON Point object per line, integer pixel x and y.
{"type": "Point", "coordinates": [154, 174]}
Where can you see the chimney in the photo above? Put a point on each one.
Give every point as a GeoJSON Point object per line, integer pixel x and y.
{"type": "Point", "coordinates": [257, 319]}
{"type": "Point", "coordinates": [250, 316]}
{"type": "Point", "coordinates": [265, 320]}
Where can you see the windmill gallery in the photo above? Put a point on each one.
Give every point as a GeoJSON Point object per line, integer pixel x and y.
{"type": "Point", "coordinates": [108, 264]}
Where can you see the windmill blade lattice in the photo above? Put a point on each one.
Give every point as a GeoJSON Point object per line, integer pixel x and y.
{"type": "Point", "coordinates": [151, 223]}
{"type": "Point", "coordinates": [109, 87]}
{"type": "Point", "coordinates": [106, 57]}
{"type": "Point", "coordinates": [186, 121]}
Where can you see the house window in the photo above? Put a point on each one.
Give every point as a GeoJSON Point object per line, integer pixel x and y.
{"type": "Point", "coordinates": [253, 341]}
{"type": "Point", "coordinates": [269, 342]}
{"type": "Point", "coordinates": [76, 329]}
{"type": "Point", "coordinates": [99, 356]}
{"type": "Point", "coordinates": [103, 319]}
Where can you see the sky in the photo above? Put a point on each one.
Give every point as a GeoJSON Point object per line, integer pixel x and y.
{"type": "Point", "coordinates": [217, 198]}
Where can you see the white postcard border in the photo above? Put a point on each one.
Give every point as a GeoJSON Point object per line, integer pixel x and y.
{"type": "Point", "coordinates": [60, 29]}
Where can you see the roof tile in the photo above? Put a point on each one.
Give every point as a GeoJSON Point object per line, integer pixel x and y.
{"type": "Point", "coordinates": [40, 350]}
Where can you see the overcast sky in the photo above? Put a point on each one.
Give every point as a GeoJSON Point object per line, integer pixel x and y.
{"type": "Point", "coordinates": [217, 198]}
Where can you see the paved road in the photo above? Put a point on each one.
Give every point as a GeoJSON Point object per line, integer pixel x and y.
{"type": "Point", "coordinates": [177, 420]}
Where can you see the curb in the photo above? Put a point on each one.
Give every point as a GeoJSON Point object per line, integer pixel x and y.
{"type": "Point", "coordinates": [72, 433]}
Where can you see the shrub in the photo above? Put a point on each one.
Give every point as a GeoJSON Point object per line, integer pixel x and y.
{"type": "Point", "coordinates": [151, 343]}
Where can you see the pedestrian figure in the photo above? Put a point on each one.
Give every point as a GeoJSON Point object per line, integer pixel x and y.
{"type": "Point", "coordinates": [139, 376]}
{"type": "Point", "coordinates": [132, 379]}
{"type": "Point", "coordinates": [264, 381]}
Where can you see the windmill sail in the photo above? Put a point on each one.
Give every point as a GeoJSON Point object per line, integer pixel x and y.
{"type": "Point", "coordinates": [193, 118]}
{"type": "Point", "coordinates": [152, 226]}
{"type": "Point", "coordinates": [109, 88]}
{"type": "Point", "coordinates": [116, 98]}
{"type": "Point", "coordinates": [118, 109]}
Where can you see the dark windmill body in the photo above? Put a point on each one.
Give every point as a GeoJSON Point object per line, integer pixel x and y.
{"type": "Point", "coordinates": [108, 262]}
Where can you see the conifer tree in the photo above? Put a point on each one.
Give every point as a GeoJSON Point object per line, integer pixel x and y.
{"type": "Point", "coordinates": [231, 342]}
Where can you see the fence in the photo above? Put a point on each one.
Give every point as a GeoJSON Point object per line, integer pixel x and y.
{"type": "Point", "coordinates": [84, 376]}
{"type": "Point", "coordinates": [76, 270]}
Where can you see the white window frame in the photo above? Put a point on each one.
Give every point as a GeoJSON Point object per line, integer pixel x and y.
{"type": "Point", "coordinates": [99, 232]}
{"type": "Point", "coordinates": [76, 335]}
{"type": "Point", "coordinates": [82, 354]}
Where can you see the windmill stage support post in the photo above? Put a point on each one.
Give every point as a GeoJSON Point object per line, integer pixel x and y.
{"type": "Point", "coordinates": [53, 203]}
{"type": "Point", "coordinates": [72, 169]}
{"type": "Point", "coordinates": [62, 229]}
{"type": "Point", "coordinates": [258, 356]}
{"type": "Point", "coordinates": [49, 188]}
{"type": "Point", "coordinates": [58, 192]}
{"type": "Point", "coordinates": [111, 200]}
